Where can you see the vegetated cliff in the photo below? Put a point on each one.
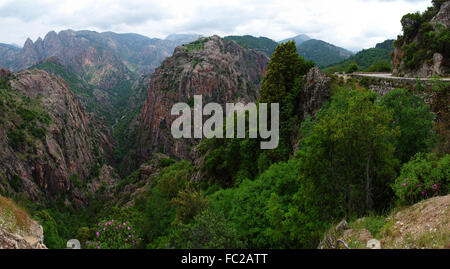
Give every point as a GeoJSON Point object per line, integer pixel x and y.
{"type": "Point", "coordinates": [221, 71]}
{"type": "Point", "coordinates": [17, 229]}
{"type": "Point", "coordinates": [424, 48]}
{"type": "Point", "coordinates": [49, 145]}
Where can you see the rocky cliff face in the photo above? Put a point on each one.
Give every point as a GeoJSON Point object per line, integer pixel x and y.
{"type": "Point", "coordinates": [424, 50]}
{"type": "Point", "coordinates": [219, 70]}
{"type": "Point", "coordinates": [49, 144]}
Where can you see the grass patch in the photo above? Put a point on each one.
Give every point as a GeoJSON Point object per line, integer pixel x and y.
{"type": "Point", "coordinates": [13, 218]}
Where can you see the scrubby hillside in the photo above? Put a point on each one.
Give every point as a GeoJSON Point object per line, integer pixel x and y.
{"type": "Point", "coordinates": [377, 59]}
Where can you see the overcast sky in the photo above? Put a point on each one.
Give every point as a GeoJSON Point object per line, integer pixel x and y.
{"type": "Point", "coordinates": [352, 24]}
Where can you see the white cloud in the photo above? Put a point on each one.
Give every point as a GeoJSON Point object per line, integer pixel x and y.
{"type": "Point", "coordinates": [352, 24]}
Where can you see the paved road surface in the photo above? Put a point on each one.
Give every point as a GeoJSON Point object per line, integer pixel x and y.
{"type": "Point", "coordinates": [389, 76]}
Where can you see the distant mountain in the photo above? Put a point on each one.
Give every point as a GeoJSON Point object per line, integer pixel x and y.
{"type": "Point", "coordinates": [106, 64]}
{"type": "Point", "coordinates": [9, 55]}
{"type": "Point", "coordinates": [138, 53]}
{"type": "Point", "coordinates": [322, 53]}
{"type": "Point", "coordinates": [298, 39]}
{"type": "Point", "coordinates": [261, 44]}
{"type": "Point", "coordinates": [366, 58]}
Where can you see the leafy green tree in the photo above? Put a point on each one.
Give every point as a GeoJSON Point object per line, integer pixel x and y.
{"type": "Point", "coordinates": [348, 155]}
{"type": "Point", "coordinates": [52, 238]}
{"type": "Point", "coordinates": [380, 66]}
{"type": "Point", "coordinates": [188, 204]}
{"type": "Point", "coordinates": [352, 68]}
{"type": "Point", "coordinates": [284, 68]}
{"type": "Point", "coordinates": [159, 215]}
{"type": "Point", "coordinates": [271, 211]}
{"type": "Point", "coordinates": [414, 119]}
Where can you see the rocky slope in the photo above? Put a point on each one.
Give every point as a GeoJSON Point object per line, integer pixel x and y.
{"type": "Point", "coordinates": [17, 229]}
{"type": "Point", "coordinates": [423, 225]}
{"type": "Point", "coordinates": [221, 71]}
{"type": "Point", "coordinates": [49, 145]}
{"type": "Point", "coordinates": [424, 48]}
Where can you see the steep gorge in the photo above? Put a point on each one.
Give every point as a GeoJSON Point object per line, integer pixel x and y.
{"type": "Point", "coordinates": [221, 71]}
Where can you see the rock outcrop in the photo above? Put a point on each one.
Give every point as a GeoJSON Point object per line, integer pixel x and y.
{"type": "Point", "coordinates": [49, 144]}
{"type": "Point", "coordinates": [443, 16]}
{"type": "Point", "coordinates": [221, 71]}
{"type": "Point", "coordinates": [427, 60]}
{"type": "Point", "coordinates": [316, 91]}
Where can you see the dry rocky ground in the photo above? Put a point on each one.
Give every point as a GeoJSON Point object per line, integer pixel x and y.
{"type": "Point", "coordinates": [425, 225]}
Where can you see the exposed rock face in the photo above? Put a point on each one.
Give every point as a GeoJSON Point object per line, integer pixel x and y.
{"type": "Point", "coordinates": [48, 143]}
{"type": "Point", "coordinates": [316, 91]}
{"type": "Point", "coordinates": [443, 16]}
{"type": "Point", "coordinates": [220, 71]}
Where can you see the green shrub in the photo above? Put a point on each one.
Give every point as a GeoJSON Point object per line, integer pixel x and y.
{"type": "Point", "coordinates": [16, 183]}
{"type": "Point", "coordinates": [166, 162]}
{"type": "Point", "coordinates": [38, 132]}
{"type": "Point", "coordinates": [413, 117]}
{"type": "Point", "coordinates": [380, 66]}
{"type": "Point", "coordinates": [51, 236]}
{"type": "Point", "coordinates": [16, 139]}
{"type": "Point", "coordinates": [423, 177]}
{"type": "Point", "coordinates": [76, 181]}
{"type": "Point", "coordinates": [351, 68]}
{"type": "Point", "coordinates": [114, 234]}
{"type": "Point", "coordinates": [208, 230]}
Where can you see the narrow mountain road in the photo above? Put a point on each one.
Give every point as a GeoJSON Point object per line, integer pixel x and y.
{"type": "Point", "coordinates": [390, 76]}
